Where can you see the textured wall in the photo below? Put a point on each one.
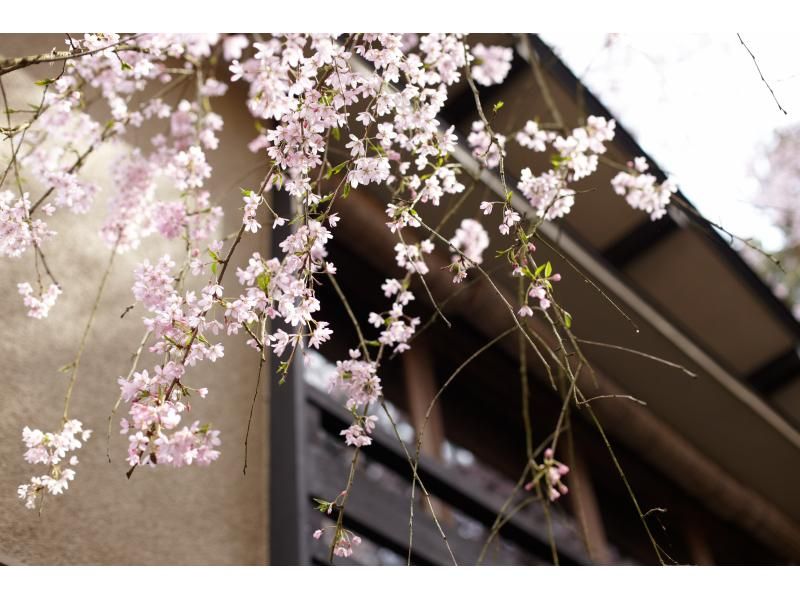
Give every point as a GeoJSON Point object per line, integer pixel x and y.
{"type": "Point", "coordinates": [212, 515]}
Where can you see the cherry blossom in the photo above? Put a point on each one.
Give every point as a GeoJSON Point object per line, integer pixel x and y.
{"type": "Point", "coordinates": [51, 449]}
{"type": "Point", "coordinates": [492, 64]}
{"type": "Point", "coordinates": [358, 435]}
{"type": "Point", "coordinates": [38, 307]}
{"type": "Point", "coordinates": [485, 148]}
{"type": "Point", "coordinates": [470, 240]}
{"type": "Point", "coordinates": [357, 380]}
{"type": "Point", "coordinates": [17, 232]}
{"type": "Point", "coordinates": [641, 190]}
{"type": "Point", "coordinates": [532, 137]}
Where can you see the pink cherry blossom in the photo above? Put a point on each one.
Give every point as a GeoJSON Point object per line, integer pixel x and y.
{"type": "Point", "coordinates": [492, 64]}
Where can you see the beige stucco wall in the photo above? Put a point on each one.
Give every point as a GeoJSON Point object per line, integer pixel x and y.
{"type": "Point", "coordinates": [194, 515]}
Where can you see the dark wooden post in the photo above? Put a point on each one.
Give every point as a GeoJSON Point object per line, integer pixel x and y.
{"type": "Point", "coordinates": [288, 500]}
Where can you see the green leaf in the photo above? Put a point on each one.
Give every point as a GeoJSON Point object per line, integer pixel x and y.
{"type": "Point", "coordinates": [43, 82]}
{"type": "Point", "coordinates": [263, 281]}
{"type": "Point", "coordinates": [567, 319]}
{"type": "Point", "coordinates": [497, 106]}
{"type": "Point", "coordinates": [322, 505]}
{"type": "Point", "coordinates": [214, 268]}
{"type": "Point", "coordinates": [548, 270]}
{"type": "Point", "coordinates": [336, 134]}
{"type": "Point", "coordinates": [339, 167]}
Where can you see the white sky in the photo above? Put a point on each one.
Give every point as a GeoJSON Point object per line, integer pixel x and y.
{"type": "Point", "coordinates": [697, 105]}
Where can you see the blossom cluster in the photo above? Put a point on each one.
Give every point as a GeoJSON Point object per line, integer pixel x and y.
{"type": "Point", "coordinates": [549, 193]}
{"type": "Point", "coordinates": [158, 400]}
{"type": "Point", "coordinates": [18, 231]}
{"type": "Point", "coordinates": [641, 190]}
{"type": "Point", "coordinates": [344, 543]}
{"type": "Point", "coordinates": [492, 64]}
{"type": "Point", "coordinates": [62, 134]}
{"type": "Point", "coordinates": [397, 326]}
{"type": "Point", "coordinates": [554, 471]}
{"type": "Point", "coordinates": [357, 380]}
{"type": "Point", "coordinates": [359, 434]}
{"type": "Point", "coordinates": [470, 240]}
{"type": "Point", "coordinates": [51, 449]}
{"type": "Point", "coordinates": [38, 307]}
{"type": "Point", "coordinates": [284, 289]}
{"type": "Point", "coordinates": [487, 149]}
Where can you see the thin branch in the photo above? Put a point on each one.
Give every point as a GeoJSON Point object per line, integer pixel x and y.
{"type": "Point", "coordinates": [77, 361]}
{"type": "Point", "coordinates": [252, 406]}
{"type": "Point", "coordinates": [613, 455]}
{"type": "Point", "coordinates": [613, 396]}
{"type": "Point", "coordinates": [678, 366]}
{"type": "Point", "coordinates": [12, 64]}
{"type": "Point", "coordinates": [536, 69]}
{"type": "Point", "coordinates": [760, 74]}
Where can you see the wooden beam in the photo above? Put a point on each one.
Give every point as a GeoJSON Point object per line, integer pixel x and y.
{"type": "Point", "coordinates": [639, 240]}
{"type": "Point", "coordinates": [586, 508]}
{"type": "Point", "coordinates": [421, 388]}
{"type": "Point", "coordinates": [696, 536]}
{"type": "Point", "coordinates": [776, 373]}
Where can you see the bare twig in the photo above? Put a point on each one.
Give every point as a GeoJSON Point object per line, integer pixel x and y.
{"type": "Point", "coordinates": [678, 366]}
{"type": "Point", "coordinates": [252, 406]}
{"type": "Point", "coordinates": [760, 74]}
{"type": "Point", "coordinates": [77, 361]}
